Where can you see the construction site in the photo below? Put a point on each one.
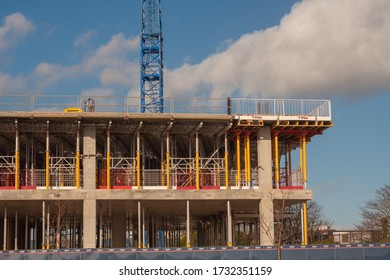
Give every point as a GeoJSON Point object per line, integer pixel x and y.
{"type": "Point", "coordinates": [152, 171]}
{"type": "Point", "coordinates": [122, 179]}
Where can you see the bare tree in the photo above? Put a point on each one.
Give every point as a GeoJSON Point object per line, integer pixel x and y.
{"type": "Point", "coordinates": [317, 222]}
{"type": "Point", "coordinates": [57, 222]}
{"type": "Point", "coordinates": [276, 230]}
{"type": "Point", "coordinates": [376, 215]}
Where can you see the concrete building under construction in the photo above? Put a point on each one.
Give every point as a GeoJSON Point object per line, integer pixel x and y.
{"type": "Point", "coordinates": [91, 172]}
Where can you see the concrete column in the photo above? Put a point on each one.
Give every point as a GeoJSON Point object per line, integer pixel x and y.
{"type": "Point", "coordinates": [89, 158]}
{"type": "Point", "coordinates": [264, 157]}
{"type": "Point", "coordinates": [89, 223]}
{"type": "Point", "coordinates": [266, 218]}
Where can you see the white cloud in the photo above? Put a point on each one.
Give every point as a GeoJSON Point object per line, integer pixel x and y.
{"type": "Point", "coordinates": [14, 85]}
{"type": "Point", "coordinates": [46, 75]}
{"type": "Point", "coordinates": [321, 48]}
{"type": "Point", "coordinates": [109, 62]}
{"type": "Point", "coordinates": [97, 92]}
{"type": "Point", "coordinates": [14, 28]}
{"type": "Point", "coordinates": [84, 38]}
{"type": "Point", "coordinates": [113, 53]}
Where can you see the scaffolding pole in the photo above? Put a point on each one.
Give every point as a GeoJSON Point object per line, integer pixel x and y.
{"type": "Point", "coordinates": [229, 225]}
{"type": "Point", "coordinates": [238, 159]}
{"type": "Point", "coordinates": [48, 228]}
{"type": "Point", "coordinates": [304, 162]}
{"type": "Point", "coordinates": [78, 156]}
{"type": "Point", "coordinates": [108, 157]}
{"type": "Point", "coordinates": [47, 157]}
{"type": "Point", "coordinates": [16, 230]}
{"type": "Point", "coordinates": [139, 245]}
{"type": "Point", "coordinates": [188, 226]}
{"type": "Point", "coordinates": [17, 168]}
{"type": "Point", "coordinates": [26, 232]}
{"type": "Point", "coordinates": [138, 161]}
{"type": "Point", "coordinates": [162, 163]}
{"type": "Point", "coordinates": [101, 227]}
{"type": "Point", "coordinates": [277, 170]}
{"type": "Point", "coordinates": [197, 172]}
{"type": "Point", "coordinates": [168, 159]}
{"type": "Point", "coordinates": [226, 162]}
{"type": "Point", "coordinates": [143, 228]}
{"type": "Point", "coordinates": [5, 228]}
{"type": "Point", "coordinates": [43, 225]}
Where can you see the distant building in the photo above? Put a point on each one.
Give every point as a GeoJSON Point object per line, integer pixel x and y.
{"type": "Point", "coordinates": [351, 236]}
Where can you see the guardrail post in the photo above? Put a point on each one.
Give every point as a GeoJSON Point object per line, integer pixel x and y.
{"type": "Point", "coordinates": [229, 105]}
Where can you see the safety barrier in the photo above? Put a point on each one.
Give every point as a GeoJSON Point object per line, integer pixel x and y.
{"type": "Point", "coordinates": [125, 104]}
{"type": "Point", "coordinates": [310, 252]}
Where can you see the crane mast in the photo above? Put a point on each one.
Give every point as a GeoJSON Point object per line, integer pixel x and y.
{"type": "Point", "coordinates": [151, 58]}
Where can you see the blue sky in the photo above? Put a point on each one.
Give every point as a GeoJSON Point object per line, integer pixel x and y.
{"type": "Point", "coordinates": [336, 49]}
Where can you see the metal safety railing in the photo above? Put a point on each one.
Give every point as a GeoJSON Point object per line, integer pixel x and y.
{"type": "Point", "coordinates": [126, 104]}
{"type": "Point", "coordinates": [7, 164]}
{"type": "Point", "coordinates": [58, 179]}
{"type": "Point", "coordinates": [123, 171]}
{"type": "Point", "coordinates": [291, 179]}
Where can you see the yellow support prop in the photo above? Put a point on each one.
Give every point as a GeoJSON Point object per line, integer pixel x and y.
{"type": "Point", "coordinates": [246, 159]}
{"type": "Point", "coordinates": [238, 159]}
{"type": "Point", "coordinates": [248, 151]}
{"type": "Point", "coordinates": [197, 179]}
{"type": "Point", "coordinates": [191, 175]}
{"type": "Point", "coordinates": [162, 174]}
{"type": "Point", "coordinates": [16, 170]}
{"type": "Point", "coordinates": [78, 170]}
{"type": "Point", "coordinates": [305, 239]}
{"type": "Point", "coordinates": [108, 170]}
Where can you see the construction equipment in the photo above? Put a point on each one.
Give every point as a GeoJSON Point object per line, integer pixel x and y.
{"type": "Point", "coordinates": [151, 58]}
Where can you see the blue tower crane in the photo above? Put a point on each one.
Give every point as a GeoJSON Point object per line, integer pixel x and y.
{"type": "Point", "coordinates": [151, 57]}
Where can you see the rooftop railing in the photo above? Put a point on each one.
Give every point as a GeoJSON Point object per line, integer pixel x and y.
{"type": "Point", "coordinates": [125, 104]}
